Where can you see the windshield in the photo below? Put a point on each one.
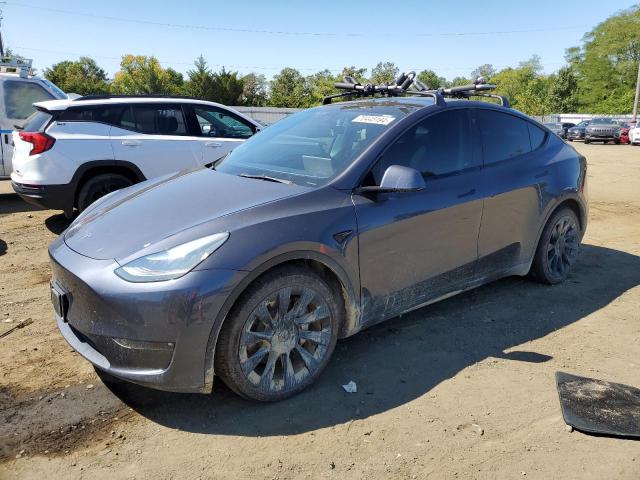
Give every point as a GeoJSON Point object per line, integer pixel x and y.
{"type": "Point", "coordinates": [312, 147]}
{"type": "Point", "coordinates": [584, 123]}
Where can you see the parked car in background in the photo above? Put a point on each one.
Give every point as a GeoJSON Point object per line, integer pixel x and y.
{"type": "Point", "coordinates": [577, 132]}
{"type": "Point", "coordinates": [624, 132]}
{"type": "Point", "coordinates": [327, 222]}
{"type": "Point", "coordinates": [556, 128]}
{"type": "Point", "coordinates": [72, 152]}
{"type": "Point", "coordinates": [19, 89]}
{"type": "Point", "coordinates": [634, 135]}
{"type": "Point", "coordinates": [602, 130]}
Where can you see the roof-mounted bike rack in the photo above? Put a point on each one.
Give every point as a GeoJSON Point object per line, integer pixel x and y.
{"type": "Point", "coordinates": [405, 80]}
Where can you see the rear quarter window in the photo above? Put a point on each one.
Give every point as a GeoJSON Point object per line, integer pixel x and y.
{"type": "Point", "coordinates": [536, 135]}
{"type": "Point", "coordinates": [19, 98]}
{"type": "Point", "coordinates": [36, 122]}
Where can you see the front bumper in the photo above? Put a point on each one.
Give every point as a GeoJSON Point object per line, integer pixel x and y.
{"type": "Point", "coordinates": [153, 334]}
{"type": "Point", "coordinates": [54, 197]}
{"type": "Point", "coordinates": [575, 135]}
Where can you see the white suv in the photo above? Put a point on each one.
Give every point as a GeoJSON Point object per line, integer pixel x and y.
{"type": "Point", "coordinates": [72, 152]}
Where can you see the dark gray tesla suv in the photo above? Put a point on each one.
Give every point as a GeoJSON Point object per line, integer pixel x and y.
{"type": "Point", "coordinates": [323, 224]}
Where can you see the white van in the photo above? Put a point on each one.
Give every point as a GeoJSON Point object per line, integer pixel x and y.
{"type": "Point", "coordinates": [19, 90]}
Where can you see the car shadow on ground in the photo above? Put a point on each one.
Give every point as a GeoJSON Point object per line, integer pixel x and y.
{"type": "Point", "coordinates": [12, 203]}
{"type": "Point", "coordinates": [400, 360]}
{"type": "Point", "coordinates": [3, 247]}
{"type": "Point", "coordinates": [57, 223]}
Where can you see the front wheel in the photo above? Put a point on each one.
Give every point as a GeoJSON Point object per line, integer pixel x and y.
{"type": "Point", "coordinates": [280, 336]}
{"type": "Point", "coordinates": [99, 186]}
{"type": "Point", "coordinates": [558, 247]}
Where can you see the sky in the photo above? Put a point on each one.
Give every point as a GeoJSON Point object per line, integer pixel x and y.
{"type": "Point", "coordinates": [265, 36]}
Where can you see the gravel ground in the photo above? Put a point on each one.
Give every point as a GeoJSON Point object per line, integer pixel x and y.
{"type": "Point", "coordinates": [460, 389]}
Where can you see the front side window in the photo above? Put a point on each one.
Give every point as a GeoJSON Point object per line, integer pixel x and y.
{"type": "Point", "coordinates": [215, 122]}
{"type": "Point", "coordinates": [19, 98]}
{"type": "Point", "coordinates": [436, 146]}
{"type": "Point", "coordinates": [503, 136]}
{"type": "Point", "coordinates": [154, 119]}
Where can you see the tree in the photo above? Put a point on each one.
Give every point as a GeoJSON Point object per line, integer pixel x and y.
{"type": "Point", "coordinates": [534, 64]}
{"type": "Point", "coordinates": [487, 71]}
{"type": "Point", "coordinates": [289, 89]}
{"type": "Point", "coordinates": [431, 79]}
{"type": "Point", "coordinates": [320, 85]}
{"type": "Point", "coordinates": [561, 96]}
{"type": "Point", "coordinates": [83, 76]}
{"type": "Point", "coordinates": [228, 87]}
{"type": "Point", "coordinates": [607, 64]}
{"type": "Point", "coordinates": [141, 75]}
{"type": "Point", "coordinates": [525, 88]}
{"type": "Point", "coordinates": [200, 82]}
{"type": "Point", "coordinates": [358, 74]}
{"type": "Point", "coordinates": [384, 73]}
{"type": "Point", "coordinates": [458, 81]}
{"type": "Point", "coordinates": [254, 92]}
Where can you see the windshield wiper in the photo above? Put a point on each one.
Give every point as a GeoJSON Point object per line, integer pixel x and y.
{"type": "Point", "coordinates": [266, 178]}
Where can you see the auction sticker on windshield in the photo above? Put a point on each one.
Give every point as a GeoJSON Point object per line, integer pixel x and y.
{"type": "Point", "coordinates": [375, 119]}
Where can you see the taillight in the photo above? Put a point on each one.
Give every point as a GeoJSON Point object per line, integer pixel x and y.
{"type": "Point", "coordinates": [41, 141]}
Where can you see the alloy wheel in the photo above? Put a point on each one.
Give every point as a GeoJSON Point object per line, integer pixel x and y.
{"type": "Point", "coordinates": [562, 249]}
{"type": "Point", "coordinates": [285, 339]}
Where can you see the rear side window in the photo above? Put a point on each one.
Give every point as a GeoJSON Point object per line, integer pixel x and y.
{"type": "Point", "coordinates": [110, 114]}
{"type": "Point", "coordinates": [19, 98]}
{"type": "Point", "coordinates": [155, 119]}
{"type": "Point", "coordinates": [36, 122]}
{"type": "Point", "coordinates": [536, 135]}
{"type": "Point", "coordinates": [503, 136]}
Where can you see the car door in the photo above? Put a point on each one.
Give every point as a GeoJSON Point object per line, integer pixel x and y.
{"type": "Point", "coordinates": [218, 130]}
{"type": "Point", "coordinates": [155, 138]}
{"type": "Point", "coordinates": [514, 179]}
{"type": "Point", "coordinates": [419, 246]}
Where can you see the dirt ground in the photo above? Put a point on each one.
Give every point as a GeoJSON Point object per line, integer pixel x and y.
{"type": "Point", "coordinates": [460, 389]}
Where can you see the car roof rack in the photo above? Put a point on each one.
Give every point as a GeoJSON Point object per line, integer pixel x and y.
{"type": "Point", "coordinates": [21, 66]}
{"type": "Point", "coordinates": [144, 95]}
{"type": "Point", "coordinates": [408, 79]}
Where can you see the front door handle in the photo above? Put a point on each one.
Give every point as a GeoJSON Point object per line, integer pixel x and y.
{"type": "Point", "coordinates": [131, 143]}
{"type": "Point", "coordinates": [213, 144]}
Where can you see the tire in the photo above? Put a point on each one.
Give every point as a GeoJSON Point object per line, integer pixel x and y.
{"type": "Point", "coordinates": [558, 247]}
{"type": "Point", "coordinates": [587, 141]}
{"type": "Point", "coordinates": [264, 355]}
{"type": "Point", "coordinates": [617, 142]}
{"type": "Point", "coordinates": [99, 186]}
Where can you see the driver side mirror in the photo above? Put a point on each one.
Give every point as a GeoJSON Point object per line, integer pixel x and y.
{"type": "Point", "coordinates": [397, 179]}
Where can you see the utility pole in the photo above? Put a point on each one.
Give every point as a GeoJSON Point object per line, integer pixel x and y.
{"type": "Point", "coordinates": [635, 101]}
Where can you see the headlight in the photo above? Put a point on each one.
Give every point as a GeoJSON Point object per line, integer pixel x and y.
{"type": "Point", "coordinates": [172, 263]}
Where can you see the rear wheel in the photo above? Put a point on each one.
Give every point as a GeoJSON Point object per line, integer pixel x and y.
{"type": "Point", "coordinates": [99, 186]}
{"type": "Point", "coordinates": [558, 247]}
{"type": "Point", "coordinates": [587, 140]}
{"type": "Point", "coordinates": [279, 338]}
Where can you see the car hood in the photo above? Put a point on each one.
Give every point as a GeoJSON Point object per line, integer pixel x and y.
{"type": "Point", "coordinates": [138, 217]}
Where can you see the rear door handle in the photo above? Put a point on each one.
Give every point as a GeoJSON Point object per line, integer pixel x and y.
{"type": "Point", "coordinates": [213, 144]}
{"type": "Point", "coordinates": [131, 143]}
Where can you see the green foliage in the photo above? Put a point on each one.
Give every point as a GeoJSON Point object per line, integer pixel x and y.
{"type": "Point", "coordinates": [607, 64]}
{"type": "Point", "coordinates": [561, 95]}
{"type": "Point", "coordinates": [141, 75]}
{"type": "Point", "coordinates": [487, 71]}
{"type": "Point", "coordinates": [228, 87]}
{"type": "Point", "coordinates": [200, 83]}
{"type": "Point", "coordinates": [83, 77]}
{"type": "Point", "coordinates": [290, 89]}
{"type": "Point", "coordinates": [431, 79]}
{"type": "Point", "coordinates": [384, 73]}
{"type": "Point", "coordinates": [254, 92]}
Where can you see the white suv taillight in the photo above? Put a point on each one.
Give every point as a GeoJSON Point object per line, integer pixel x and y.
{"type": "Point", "coordinates": [41, 141]}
